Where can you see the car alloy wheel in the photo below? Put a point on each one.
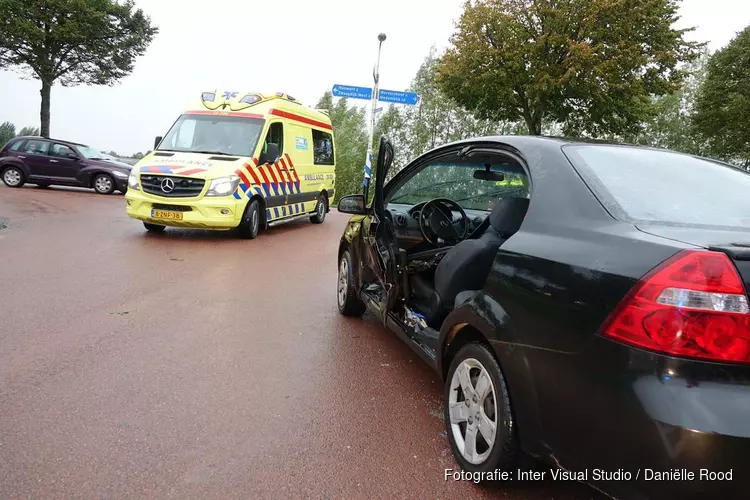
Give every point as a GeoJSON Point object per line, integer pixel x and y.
{"type": "Point", "coordinates": [12, 177]}
{"type": "Point", "coordinates": [103, 184]}
{"type": "Point", "coordinates": [343, 281]}
{"type": "Point", "coordinates": [473, 411]}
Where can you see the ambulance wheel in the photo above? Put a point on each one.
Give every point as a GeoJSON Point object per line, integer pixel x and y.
{"type": "Point", "coordinates": [321, 208]}
{"type": "Point", "coordinates": [348, 301]}
{"type": "Point", "coordinates": [250, 224]}
{"type": "Point", "coordinates": [154, 228]}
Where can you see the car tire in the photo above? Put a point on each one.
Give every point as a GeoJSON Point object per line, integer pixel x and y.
{"type": "Point", "coordinates": [154, 228]}
{"type": "Point", "coordinates": [103, 184]}
{"type": "Point", "coordinates": [14, 177]}
{"type": "Point", "coordinates": [321, 209]}
{"type": "Point", "coordinates": [250, 225]}
{"type": "Point", "coordinates": [472, 423]}
{"type": "Point", "coordinates": [348, 301]}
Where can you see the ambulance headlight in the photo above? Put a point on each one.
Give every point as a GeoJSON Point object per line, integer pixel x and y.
{"type": "Point", "coordinates": [223, 186]}
{"type": "Point", "coordinates": [133, 180]}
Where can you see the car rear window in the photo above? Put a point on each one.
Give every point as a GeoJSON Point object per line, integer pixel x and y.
{"type": "Point", "coordinates": [662, 186]}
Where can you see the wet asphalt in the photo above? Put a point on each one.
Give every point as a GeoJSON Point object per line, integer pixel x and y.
{"type": "Point", "coordinates": [197, 365]}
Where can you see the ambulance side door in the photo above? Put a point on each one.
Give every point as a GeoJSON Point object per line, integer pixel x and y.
{"type": "Point", "coordinates": [272, 175]}
{"type": "Point", "coordinates": [324, 159]}
{"type": "Point", "coordinates": [299, 163]}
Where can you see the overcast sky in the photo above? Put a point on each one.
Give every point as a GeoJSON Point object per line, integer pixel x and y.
{"type": "Point", "coordinates": [300, 47]}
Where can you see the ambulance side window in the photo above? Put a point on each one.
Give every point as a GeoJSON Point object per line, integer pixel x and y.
{"type": "Point", "coordinates": [276, 136]}
{"type": "Point", "coordinates": [322, 148]}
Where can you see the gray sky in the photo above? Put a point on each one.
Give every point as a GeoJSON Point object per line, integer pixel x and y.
{"type": "Point", "coordinates": [295, 46]}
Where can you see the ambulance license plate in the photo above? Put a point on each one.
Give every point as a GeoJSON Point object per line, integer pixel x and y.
{"type": "Point", "coordinates": [166, 214]}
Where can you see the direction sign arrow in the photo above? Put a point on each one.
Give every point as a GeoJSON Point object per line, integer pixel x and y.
{"type": "Point", "coordinates": [397, 97]}
{"type": "Point", "coordinates": [352, 92]}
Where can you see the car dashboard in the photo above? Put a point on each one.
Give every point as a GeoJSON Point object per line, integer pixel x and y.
{"type": "Point", "coordinates": [405, 219]}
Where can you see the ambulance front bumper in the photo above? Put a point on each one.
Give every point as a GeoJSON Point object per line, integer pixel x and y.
{"type": "Point", "coordinates": [204, 213]}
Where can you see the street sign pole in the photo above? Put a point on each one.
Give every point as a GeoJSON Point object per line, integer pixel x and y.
{"type": "Point", "coordinates": [368, 159]}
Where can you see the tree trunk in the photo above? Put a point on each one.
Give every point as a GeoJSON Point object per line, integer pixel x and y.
{"type": "Point", "coordinates": [44, 113]}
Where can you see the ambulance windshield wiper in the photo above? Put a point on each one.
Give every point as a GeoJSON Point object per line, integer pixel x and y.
{"type": "Point", "coordinates": [211, 153]}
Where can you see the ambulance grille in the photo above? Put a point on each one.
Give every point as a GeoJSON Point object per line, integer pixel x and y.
{"type": "Point", "coordinates": [184, 187]}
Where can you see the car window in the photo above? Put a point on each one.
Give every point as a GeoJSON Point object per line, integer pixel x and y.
{"type": "Point", "coordinates": [16, 146]}
{"type": "Point", "coordinates": [662, 186]}
{"type": "Point", "coordinates": [61, 151]}
{"type": "Point", "coordinates": [455, 180]}
{"type": "Point", "coordinates": [36, 147]}
{"type": "Point", "coordinates": [322, 148]}
{"type": "Point", "coordinates": [90, 153]}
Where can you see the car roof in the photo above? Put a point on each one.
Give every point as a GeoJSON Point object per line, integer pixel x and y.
{"type": "Point", "coordinates": [50, 139]}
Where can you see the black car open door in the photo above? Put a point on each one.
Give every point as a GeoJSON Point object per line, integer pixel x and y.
{"type": "Point", "coordinates": [380, 239]}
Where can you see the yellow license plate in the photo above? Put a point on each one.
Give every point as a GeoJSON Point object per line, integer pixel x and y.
{"type": "Point", "coordinates": [165, 214]}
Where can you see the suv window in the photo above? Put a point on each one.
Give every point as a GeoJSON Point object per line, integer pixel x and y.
{"type": "Point", "coordinates": [61, 151]}
{"type": "Point", "coordinates": [322, 148]}
{"type": "Point", "coordinates": [662, 186]}
{"type": "Point", "coordinates": [16, 146]}
{"type": "Point", "coordinates": [36, 147]}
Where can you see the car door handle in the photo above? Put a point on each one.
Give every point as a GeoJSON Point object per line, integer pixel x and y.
{"type": "Point", "coordinates": [53, 161]}
{"type": "Point", "coordinates": [22, 157]}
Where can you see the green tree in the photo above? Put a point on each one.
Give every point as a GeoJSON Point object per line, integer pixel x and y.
{"type": "Point", "coordinates": [137, 156]}
{"type": "Point", "coordinates": [670, 126]}
{"type": "Point", "coordinates": [350, 133]}
{"type": "Point", "coordinates": [590, 65]}
{"type": "Point", "coordinates": [722, 109]}
{"type": "Point", "coordinates": [7, 132]}
{"type": "Point", "coordinates": [74, 42]}
{"type": "Point", "coordinates": [33, 131]}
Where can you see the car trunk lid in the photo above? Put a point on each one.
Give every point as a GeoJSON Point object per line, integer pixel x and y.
{"type": "Point", "coordinates": [733, 242]}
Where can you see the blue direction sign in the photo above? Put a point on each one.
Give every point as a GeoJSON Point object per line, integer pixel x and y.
{"type": "Point", "coordinates": [397, 97]}
{"type": "Point", "coordinates": [352, 92]}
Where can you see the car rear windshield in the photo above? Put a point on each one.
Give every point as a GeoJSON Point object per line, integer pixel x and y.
{"type": "Point", "coordinates": [662, 186]}
{"type": "Point", "coordinates": [213, 134]}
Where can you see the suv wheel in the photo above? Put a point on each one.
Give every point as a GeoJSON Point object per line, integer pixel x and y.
{"type": "Point", "coordinates": [321, 208]}
{"type": "Point", "coordinates": [13, 177]}
{"type": "Point", "coordinates": [103, 184]}
{"type": "Point", "coordinates": [478, 416]}
{"type": "Point", "coordinates": [349, 302]}
{"type": "Point", "coordinates": [250, 224]}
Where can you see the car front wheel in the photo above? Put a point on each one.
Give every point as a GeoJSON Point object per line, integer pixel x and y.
{"type": "Point", "coordinates": [348, 301]}
{"type": "Point", "coordinates": [478, 415]}
{"type": "Point", "coordinates": [103, 184]}
{"type": "Point", "coordinates": [13, 177]}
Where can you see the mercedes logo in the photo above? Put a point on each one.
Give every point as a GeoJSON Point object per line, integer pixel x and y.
{"type": "Point", "coordinates": [167, 185]}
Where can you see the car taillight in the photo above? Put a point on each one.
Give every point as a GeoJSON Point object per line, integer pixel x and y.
{"type": "Point", "coordinates": [693, 304]}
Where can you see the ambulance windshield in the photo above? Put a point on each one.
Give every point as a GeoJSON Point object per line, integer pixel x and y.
{"type": "Point", "coordinates": [213, 134]}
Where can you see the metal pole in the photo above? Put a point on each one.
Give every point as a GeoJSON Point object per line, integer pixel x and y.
{"type": "Point", "coordinates": [375, 90]}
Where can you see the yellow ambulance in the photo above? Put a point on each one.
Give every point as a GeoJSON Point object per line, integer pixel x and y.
{"type": "Point", "coordinates": [237, 160]}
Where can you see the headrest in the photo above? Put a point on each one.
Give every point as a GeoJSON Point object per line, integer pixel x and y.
{"type": "Point", "coordinates": [507, 215]}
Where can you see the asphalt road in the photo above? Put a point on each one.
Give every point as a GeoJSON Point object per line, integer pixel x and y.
{"type": "Point", "coordinates": [196, 365]}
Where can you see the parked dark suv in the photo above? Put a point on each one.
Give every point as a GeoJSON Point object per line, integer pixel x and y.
{"type": "Point", "coordinates": [44, 162]}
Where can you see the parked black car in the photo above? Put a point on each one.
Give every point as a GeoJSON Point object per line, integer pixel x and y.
{"type": "Point", "coordinates": [48, 161]}
{"type": "Point", "coordinates": [584, 303]}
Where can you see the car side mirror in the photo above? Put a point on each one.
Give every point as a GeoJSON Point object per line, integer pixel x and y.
{"type": "Point", "coordinates": [271, 154]}
{"type": "Point", "coordinates": [72, 156]}
{"type": "Point", "coordinates": [353, 204]}
{"type": "Point", "coordinates": [157, 141]}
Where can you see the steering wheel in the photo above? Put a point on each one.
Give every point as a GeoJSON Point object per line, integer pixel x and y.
{"type": "Point", "coordinates": [436, 221]}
